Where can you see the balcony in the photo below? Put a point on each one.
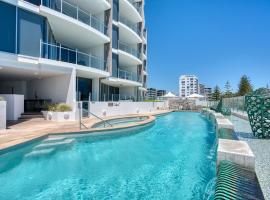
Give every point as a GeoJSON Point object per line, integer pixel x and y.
{"type": "Point", "coordinates": [73, 25]}
{"type": "Point", "coordinates": [127, 75]}
{"type": "Point", "coordinates": [131, 10]}
{"type": "Point", "coordinates": [75, 12]}
{"type": "Point", "coordinates": [66, 55]}
{"type": "Point", "coordinates": [129, 31]}
{"type": "Point", "coordinates": [128, 55]}
{"type": "Point", "coordinates": [117, 97]}
{"type": "Point", "coordinates": [124, 78]}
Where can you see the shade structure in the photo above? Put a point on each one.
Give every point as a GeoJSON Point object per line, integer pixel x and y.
{"type": "Point", "coordinates": [169, 95]}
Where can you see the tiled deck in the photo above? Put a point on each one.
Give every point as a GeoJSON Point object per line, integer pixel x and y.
{"type": "Point", "coordinates": [32, 129]}
{"type": "Point", "coordinates": [260, 148]}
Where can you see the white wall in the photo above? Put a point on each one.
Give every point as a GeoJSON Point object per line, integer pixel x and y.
{"type": "Point", "coordinates": [15, 105]}
{"type": "Point", "coordinates": [57, 88]}
{"type": "Point", "coordinates": [3, 115]}
{"type": "Point", "coordinates": [124, 108]}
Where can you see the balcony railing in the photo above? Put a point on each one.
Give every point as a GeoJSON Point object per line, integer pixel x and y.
{"type": "Point", "coordinates": [64, 54]}
{"type": "Point", "coordinates": [77, 13]}
{"type": "Point", "coordinates": [127, 75]}
{"type": "Point", "coordinates": [125, 47]}
{"type": "Point", "coordinates": [136, 5]}
{"type": "Point", "coordinates": [117, 97]}
{"type": "Point", "coordinates": [131, 25]}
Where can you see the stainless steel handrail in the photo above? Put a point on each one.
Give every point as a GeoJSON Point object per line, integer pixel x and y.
{"type": "Point", "coordinates": [81, 109]}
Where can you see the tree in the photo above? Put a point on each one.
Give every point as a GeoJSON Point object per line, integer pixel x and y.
{"type": "Point", "coordinates": [228, 90]}
{"type": "Point", "coordinates": [244, 86]}
{"type": "Point", "coordinates": [216, 95]}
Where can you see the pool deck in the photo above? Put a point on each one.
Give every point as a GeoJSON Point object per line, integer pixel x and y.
{"type": "Point", "coordinates": [260, 148]}
{"type": "Point", "coordinates": [36, 128]}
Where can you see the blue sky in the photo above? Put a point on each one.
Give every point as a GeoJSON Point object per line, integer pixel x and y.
{"type": "Point", "coordinates": [217, 40]}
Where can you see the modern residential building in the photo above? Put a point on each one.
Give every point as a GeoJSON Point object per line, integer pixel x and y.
{"type": "Point", "coordinates": [205, 91]}
{"type": "Point", "coordinates": [151, 93]}
{"type": "Point", "coordinates": [65, 50]}
{"type": "Point", "coordinates": [208, 92]}
{"type": "Point", "coordinates": [188, 84]}
{"type": "Point", "coordinates": [161, 93]}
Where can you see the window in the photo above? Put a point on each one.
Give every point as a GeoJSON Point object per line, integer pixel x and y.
{"type": "Point", "coordinates": [114, 65]}
{"type": "Point", "coordinates": [116, 10]}
{"type": "Point", "coordinates": [115, 35]}
{"type": "Point", "coordinates": [8, 27]}
{"type": "Point", "coordinates": [29, 23]}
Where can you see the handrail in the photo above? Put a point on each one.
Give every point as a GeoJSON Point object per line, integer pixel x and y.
{"type": "Point", "coordinates": [90, 113]}
{"type": "Point", "coordinates": [103, 121]}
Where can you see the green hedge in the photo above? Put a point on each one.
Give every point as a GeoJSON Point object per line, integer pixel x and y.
{"type": "Point", "coordinates": [258, 110]}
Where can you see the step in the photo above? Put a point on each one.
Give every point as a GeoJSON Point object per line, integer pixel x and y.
{"type": "Point", "coordinates": [42, 152]}
{"type": "Point", "coordinates": [54, 139]}
{"type": "Point", "coordinates": [54, 144]}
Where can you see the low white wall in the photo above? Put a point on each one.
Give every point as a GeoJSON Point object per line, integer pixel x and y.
{"type": "Point", "coordinates": [15, 105]}
{"type": "Point", "coordinates": [3, 108]}
{"type": "Point", "coordinates": [102, 109]}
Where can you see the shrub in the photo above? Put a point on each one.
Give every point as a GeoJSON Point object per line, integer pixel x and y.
{"type": "Point", "coordinates": [62, 107]}
{"type": "Point", "coordinates": [57, 107]}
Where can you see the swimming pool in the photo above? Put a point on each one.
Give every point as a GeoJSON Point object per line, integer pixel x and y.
{"type": "Point", "coordinates": [173, 159]}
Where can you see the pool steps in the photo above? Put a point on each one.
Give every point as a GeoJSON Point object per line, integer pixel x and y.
{"type": "Point", "coordinates": [54, 144]}
{"type": "Point", "coordinates": [49, 146]}
{"type": "Point", "coordinates": [42, 152]}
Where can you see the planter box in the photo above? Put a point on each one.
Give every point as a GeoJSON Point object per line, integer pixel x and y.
{"type": "Point", "coordinates": [59, 116]}
{"type": "Point", "coordinates": [3, 114]}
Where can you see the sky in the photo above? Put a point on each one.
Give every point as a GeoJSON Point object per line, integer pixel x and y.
{"type": "Point", "coordinates": [217, 40]}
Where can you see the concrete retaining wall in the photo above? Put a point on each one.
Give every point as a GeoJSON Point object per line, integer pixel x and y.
{"type": "Point", "coordinates": [103, 109]}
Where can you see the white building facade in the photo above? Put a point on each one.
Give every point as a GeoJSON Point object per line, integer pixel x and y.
{"type": "Point", "coordinates": [67, 51]}
{"type": "Point", "coordinates": [188, 84]}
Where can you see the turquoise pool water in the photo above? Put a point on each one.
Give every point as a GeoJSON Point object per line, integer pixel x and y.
{"type": "Point", "coordinates": [173, 159]}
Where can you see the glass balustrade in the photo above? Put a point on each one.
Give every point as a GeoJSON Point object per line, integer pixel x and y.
{"type": "Point", "coordinates": [136, 5]}
{"type": "Point", "coordinates": [77, 13]}
{"type": "Point", "coordinates": [127, 75]}
{"type": "Point", "coordinates": [132, 26]}
{"type": "Point", "coordinates": [127, 48]}
{"type": "Point", "coordinates": [64, 54]}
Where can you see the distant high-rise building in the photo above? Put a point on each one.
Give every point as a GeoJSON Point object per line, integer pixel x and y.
{"type": "Point", "coordinates": [151, 93]}
{"type": "Point", "coordinates": [161, 93]}
{"type": "Point", "coordinates": [188, 84]}
{"type": "Point", "coordinates": [205, 91]}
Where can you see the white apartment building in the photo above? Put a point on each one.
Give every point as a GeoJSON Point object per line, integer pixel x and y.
{"type": "Point", "coordinates": [67, 51]}
{"type": "Point", "coordinates": [188, 84]}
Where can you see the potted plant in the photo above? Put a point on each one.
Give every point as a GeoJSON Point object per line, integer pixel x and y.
{"type": "Point", "coordinates": [58, 112]}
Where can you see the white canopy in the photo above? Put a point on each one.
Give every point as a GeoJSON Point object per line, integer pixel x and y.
{"type": "Point", "coordinates": [195, 96]}
{"type": "Point", "coordinates": [169, 95]}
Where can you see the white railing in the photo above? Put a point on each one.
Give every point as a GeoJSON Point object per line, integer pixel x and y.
{"type": "Point", "coordinates": [59, 53]}
{"type": "Point", "coordinates": [77, 13]}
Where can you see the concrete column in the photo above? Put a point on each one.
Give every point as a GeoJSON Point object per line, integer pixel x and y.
{"type": "Point", "coordinates": [95, 89]}
{"type": "Point", "coordinates": [3, 105]}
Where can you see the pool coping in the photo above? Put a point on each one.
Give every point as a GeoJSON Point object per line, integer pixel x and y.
{"type": "Point", "coordinates": [30, 139]}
